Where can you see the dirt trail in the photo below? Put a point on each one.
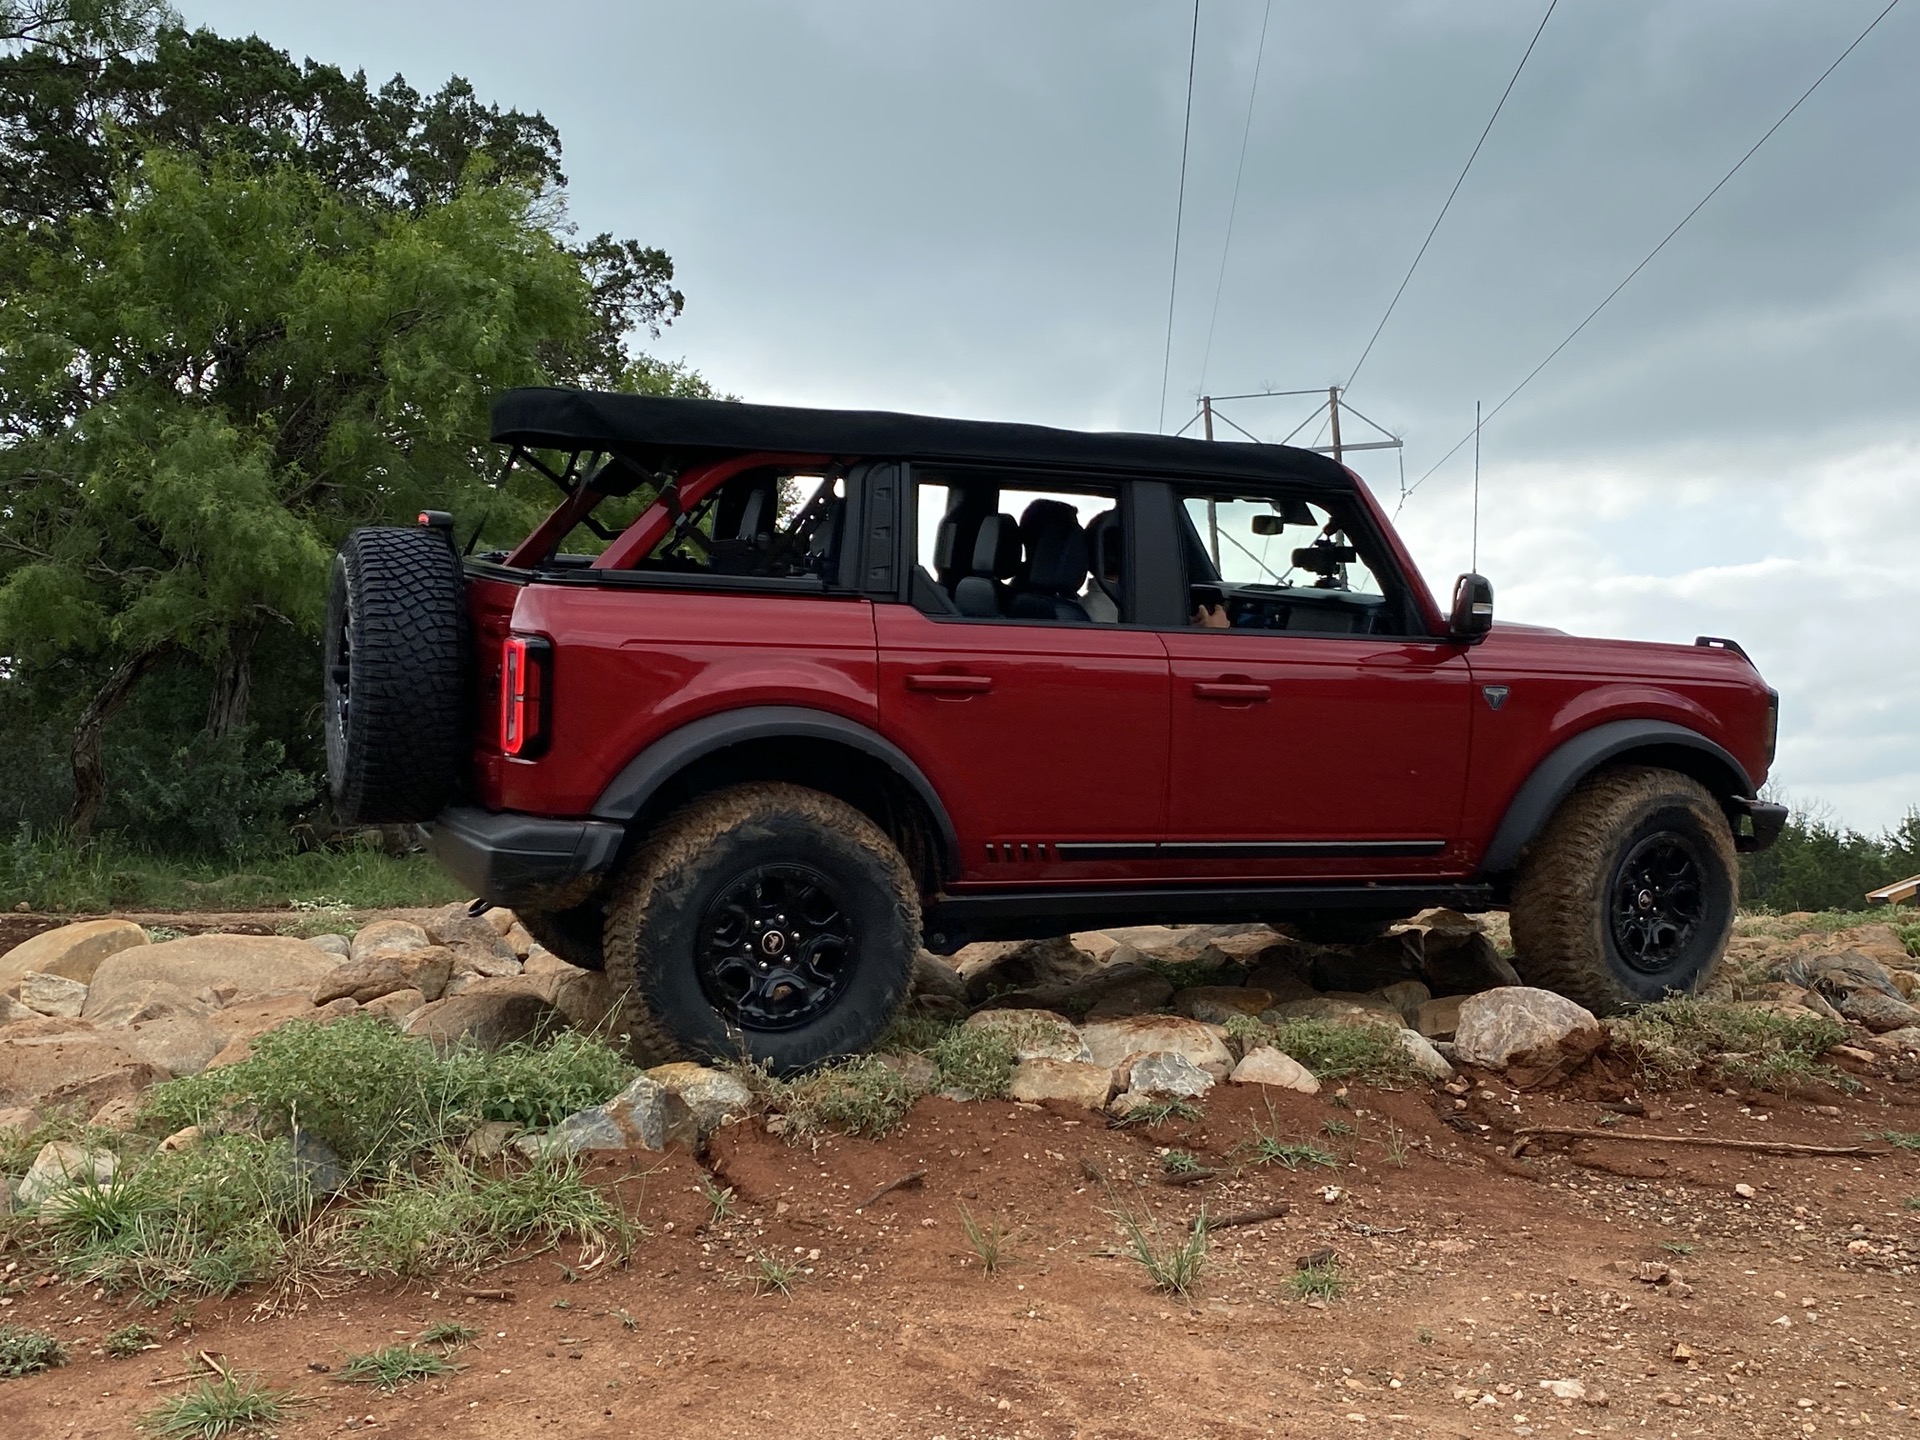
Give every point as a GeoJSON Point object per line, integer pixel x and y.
{"type": "Point", "coordinates": [1470, 1279]}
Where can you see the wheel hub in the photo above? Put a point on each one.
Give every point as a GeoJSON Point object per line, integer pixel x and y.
{"type": "Point", "coordinates": [1659, 901]}
{"type": "Point", "coordinates": [775, 948]}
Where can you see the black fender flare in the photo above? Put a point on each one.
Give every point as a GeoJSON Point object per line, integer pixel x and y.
{"type": "Point", "coordinates": [641, 777]}
{"type": "Point", "coordinates": [1554, 777]}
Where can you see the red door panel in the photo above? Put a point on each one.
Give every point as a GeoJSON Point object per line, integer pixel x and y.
{"type": "Point", "coordinates": [1037, 736]}
{"type": "Point", "coordinates": [1301, 756]}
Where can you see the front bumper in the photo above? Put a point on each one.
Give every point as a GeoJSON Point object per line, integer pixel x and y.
{"type": "Point", "coordinates": [1756, 824]}
{"type": "Point", "coordinates": [525, 860]}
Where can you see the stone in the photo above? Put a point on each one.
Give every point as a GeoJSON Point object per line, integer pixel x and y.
{"type": "Point", "coordinates": [1744, 1191]}
{"type": "Point", "coordinates": [1406, 996]}
{"type": "Point", "coordinates": [339, 946]}
{"type": "Point", "coordinates": [51, 1063]}
{"type": "Point", "coordinates": [185, 1138]}
{"type": "Point", "coordinates": [1393, 957]}
{"type": "Point", "coordinates": [1022, 965]}
{"type": "Point", "coordinates": [1096, 943]}
{"type": "Point", "coordinates": [238, 1025]}
{"type": "Point", "coordinates": [62, 1164]}
{"type": "Point", "coordinates": [1347, 1009]}
{"type": "Point", "coordinates": [488, 964]}
{"type": "Point", "coordinates": [1132, 993]}
{"type": "Point", "coordinates": [1905, 1040]}
{"type": "Point", "coordinates": [426, 968]}
{"type": "Point", "coordinates": [501, 919]}
{"type": "Point", "coordinates": [1034, 1034]}
{"type": "Point", "coordinates": [1283, 981]}
{"type": "Point", "coordinates": [150, 1000]}
{"type": "Point", "coordinates": [314, 1162]}
{"type": "Point", "coordinates": [519, 939]}
{"type": "Point", "coordinates": [644, 1116]}
{"type": "Point", "coordinates": [917, 1072]}
{"type": "Point", "coordinates": [715, 1097]}
{"type": "Point", "coordinates": [52, 994]}
{"type": "Point", "coordinates": [1881, 943]}
{"type": "Point", "coordinates": [20, 1118]}
{"type": "Point", "coordinates": [1464, 963]}
{"type": "Point", "coordinates": [1438, 1019]}
{"type": "Point", "coordinates": [1112, 1042]}
{"type": "Point", "coordinates": [1534, 1036]}
{"type": "Point", "coordinates": [936, 977]}
{"type": "Point", "coordinates": [1216, 1004]}
{"type": "Point", "coordinates": [12, 1010]}
{"type": "Point", "coordinates": [1877, 1012]}
{"type": "Point", "coordinates": [585, 997]}
{"type": "Point", "coordinates": [487, 1019]}
{"type": "Point", "coordinates": [1838, 974]}
{"type": "Point", "coordinates": [471, 937]}
{"type": "Point", "coordinates": [120, 1114]}
{"type": "Point", "coordinates": [1907, 982]}
{"type": "Point", "coordinates": [387, 935]}
{"type": "Point", "coordinates": [72, 952]}
{"type": "Point", "coordinates": [542, 961]}
{"type": "Point", "coordinates": [1167, 1075]}
{"type": "Point", "coordinates": [490, 1138]}
{"type": "Point", "coordinates": [1075, 1082]}
{"type": "Point", "coordinates": [177, 1044]}
{"type": "Point", "coordinates": [395, 1005]}
{"type": "Point", "coordinates": [253, 965]}
{"type": "Point", "coordinates": [1565, 1389]}
{"type": "Point", "coordinates": [1264, 1065]}
{"type": "Point", "coordinates": [1428, 1062]}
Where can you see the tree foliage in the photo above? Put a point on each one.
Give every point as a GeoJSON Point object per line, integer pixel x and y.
{"type": "Point", "coordinates": [1819, 864]}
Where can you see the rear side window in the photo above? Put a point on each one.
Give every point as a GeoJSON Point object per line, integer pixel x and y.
{"type": "Point", "coordinates": [766, 525]}
{"type": "Point", "coordinates": [1013, 548]}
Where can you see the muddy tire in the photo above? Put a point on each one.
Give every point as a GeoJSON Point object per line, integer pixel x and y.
{"type": "Point", "coordinates": [394, 681]}
{"type": "Point", "coordinates": [767, 922]}
{"type": "Point", "coordinates": [574, 935]}
{"type": "Point", "coordinates": [1629, 894]}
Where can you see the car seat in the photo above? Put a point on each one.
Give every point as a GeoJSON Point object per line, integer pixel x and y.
{"type": "Point", "coordinates": [1056, 564]}
{"type": "Point", "coordinates": [981, 594]}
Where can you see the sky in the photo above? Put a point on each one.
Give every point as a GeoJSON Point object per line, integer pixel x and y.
{"type": "Point", "coordinates": [969, 209]}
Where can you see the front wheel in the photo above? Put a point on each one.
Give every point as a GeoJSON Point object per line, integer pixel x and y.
{"type": "Point", "coordinates": [1629, 895]}
{"type": "Point", "coordinates": [768, 923]}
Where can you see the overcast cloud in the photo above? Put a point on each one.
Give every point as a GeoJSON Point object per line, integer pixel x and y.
{"type": "Point", "coordinates": [967, 209]}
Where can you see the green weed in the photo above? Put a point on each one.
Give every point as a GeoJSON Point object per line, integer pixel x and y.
{"type": "Point", "coordinates": [210, 1410]}
{"type": "Point", "coordinates": [393, 1366]}
{"type": "Point", "coordinates": [719, 1200]}
{"type": "Point", "coordinates": [1174, 1268]}
{"type": "Point", "coordinates": [24, 1351]}
{"type": "Point", "coordinates": [988, 1239]}
{"type": "Point", "coordinates": [1336, 1129]}
{"type": "Point", "coordinates": [450, 1333]}
{"type": "Point", "coordinates": [1901, 1138]}
{"type": "Point", "coordinates": [1394, 1146]}
{"type": "Point", "coordinates": [1317, 1282]}
{"type": "Point", "coordinates": [1331, 1051]}
{"type": "Point", "coordinates": [1677, 1039]}
{"type": "Point", "coordinates": [978, 1061]}
{"type": "Point", "coordinates": [1157, 1112]}
{"type": "Point", "coordinates": [771, 1275]}
{"type": "Point", "coordinates": [129, 1340]}
{"type": "Point", "coordinates": [1181, 1162]}
{"type": "Point", "coordinates": [863, 1096]}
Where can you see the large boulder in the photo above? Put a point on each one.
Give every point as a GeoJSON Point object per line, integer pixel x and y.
{"type": "Point", "coordinates": [1034, 1034]}
{"type": "Point", "coordinates": [12, 1010]}
{"type": "Point", "coordinates": [1533, 1036]}
{"type": "Point", "coordinates": [937, 986]}
{"type": "Point", "coordinates": [644, 1116]}
{"type": "Point", "coordinates": [395, 1005]}
{"type": "Point", "coordinates": [338, 946]}
{"type": "Point", "coordinates": [1392, 957]}
{"type": "Point", "coordinates": [52, 994]}
{"type": "Point", "coordinates": [387, 935]}
{"type": "Point", "coordinates": [1438, 1019]}
{"type": "Point", "coordinates": [1127, 989]}
{"type": "Point", "coordinates": [59, 1063]}
{"type": "Point", "coordinates": [177, 1044]}
{"type": "Point", "coordinates": [1076, 1082]}
{"type": "Point", "coordinates": [71, 951]}
{"type": "Point", "coordinates": [240, 1024]}
{"type": "Point", "coordinates": [1167, 1075]}
{"type": "Point", "coordinates": [426, 968]}
{"type": "Point", "coordinates": [1264, 1065]}
{"type": "Point", "coordinates": [488, 1018]}
{"type": "Point", "coordinates": [714, 1096]}
{"type": "Point", "coordinates": [240, 967]}
{"type": "Point", "coordinates": [61, 1165]}
{"type": "Point", "coordinates": [145, 1000]}
{"type": "Point", "coordinates": [1878, 1013]}
{"type": "Point", "coordinates": [1111, 1042]}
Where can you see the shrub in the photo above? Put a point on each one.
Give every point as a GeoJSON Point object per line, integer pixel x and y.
{"type": "Point", "coordinates": [978, 1061]}
{"type": "Point", "coordinates": [1331, 1050]}
{"type": "Point", "coordinates": [1676, 1039]}
{"type": "Point", "coordinates": [24, 1351]}
{"type": "Point", "coordinates": [862, 1096]}
{"type": "Point", "coordinates": [214, 1409]}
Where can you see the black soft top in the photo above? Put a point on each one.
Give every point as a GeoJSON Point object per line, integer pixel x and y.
{"type": "Point", "coordinates": [651, 428]}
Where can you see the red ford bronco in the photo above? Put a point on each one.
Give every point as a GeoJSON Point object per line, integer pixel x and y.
{"type": "Point", "coordinates": [775, 696]}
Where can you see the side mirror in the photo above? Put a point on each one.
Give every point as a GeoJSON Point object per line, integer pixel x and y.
{"type": "Point", "coordinates": [1472, 615]}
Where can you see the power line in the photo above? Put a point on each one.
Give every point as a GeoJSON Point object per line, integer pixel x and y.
{"type": "Point", "coordinates": [1354, 374]}
{"type": "Point", "coordinates": [1805, 95]}
{"type": "Point", "coordinates": [1179, 213]}
{"type": "Point", "coordinates": [1233, 208]}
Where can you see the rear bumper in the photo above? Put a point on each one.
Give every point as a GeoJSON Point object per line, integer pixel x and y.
{"type": "Point", "coordinates": [525, 860]}
{"type": "Point", "coordinates": [1756, 824]}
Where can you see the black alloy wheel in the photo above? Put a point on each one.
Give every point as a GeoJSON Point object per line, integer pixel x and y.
{"type": "Point", "coordinates": [1658, 901]}
{"type": "Point", "coordinates": [774, 948]}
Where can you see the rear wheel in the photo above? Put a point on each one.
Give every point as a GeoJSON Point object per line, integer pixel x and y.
{"type": "Point", "coordinates": [766, 922]}
{"type": "Point", "coordinates": [394, 682]}
{"type": "Point", "coordinates": [1629, 894]}
{"type": "Point", "coordinates": [574, 935]}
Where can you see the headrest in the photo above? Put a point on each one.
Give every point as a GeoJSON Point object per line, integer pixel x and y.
{"type": "Point", "coordinates": [1103, 543]}
{"type": "Point", "coordinates": [1056, 547]}
{"type": "Point", "coordinates": [946, 540]}
{"type": "Point", "coordinates": [996, 551]}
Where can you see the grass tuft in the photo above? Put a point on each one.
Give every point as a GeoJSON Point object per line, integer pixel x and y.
{"type": "Point", "coordinates": [1677, 1039]}
{"type": "Point", "coordinates": [1157, 1112]}
{"type": "Point", "coordinates": [771, 1275]}
{"type": "Point", "coordinates": [450, 1333]}
{"type": "Point", "coordinates": [1901, 1138]}
{"type": "Point", "coordinates": [26, 1352]}
{"type": "Point", "coordinates": [1331, 1050]}
{"type": "Point", "coordinates": [392, 1366]}
{"type": "Point", "coordinates": [863, 1096]}
{"type": "Point", "coordinates": [719, 1200]}
{"type": "Point", "coordinates": [1174, 1268]}
{"type": "Point", "coordinates": [1317, 1282]}
{"type": "Point", "coordinates": [233, 1404]}
{"type": "Point", "coordinates": [1181, 1162]}
{"type": "Point", "coordinates": [978, 1061]}
{"type": "Point", "coordinates": [130, 1340]}
{"type": "Point", "coordinates": [988, 1239]}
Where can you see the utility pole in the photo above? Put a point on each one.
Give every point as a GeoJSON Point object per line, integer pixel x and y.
{"type": "Point", "coordinates": [1213, 505]}
{"type": "Point", "coordinates": [1206, 413]}
{"type": "Point", "coordinates": [1333, 408]}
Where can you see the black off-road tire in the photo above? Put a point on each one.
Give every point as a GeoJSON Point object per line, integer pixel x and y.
{"type": "Point", "coordinates": [575, 935]}
{"type": "Point", "coordinates": [663, 906]}
{"type": "Point", "coordinates": [1567, 929]}
{"type": "Point", "coordinates": [395, 677]}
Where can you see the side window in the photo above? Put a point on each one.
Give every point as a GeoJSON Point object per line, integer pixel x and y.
{"type": "Point", "coordinates": [1262, 563]}
{"type": "Point", "coordinates": [763, 524]}
{"type": "Point", "coordinates": [1018, 548]}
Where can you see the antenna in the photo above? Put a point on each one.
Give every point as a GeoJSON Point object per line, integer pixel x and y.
{"type": "Point", "coordinates": [1474, 563]}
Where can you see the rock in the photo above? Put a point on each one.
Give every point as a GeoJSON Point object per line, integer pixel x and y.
{"type": "Point", "coordinates": [1034, 1034]}
{"type": "Point", "coordinates": [12, 1010]}
{"type": "Point", "coordinates": [1167, 1075]}
{"type": "Point", "coordinates": [933, 975]}
{"type": "Point", "coordinates": [1216, 1004]}
{"type": "Point", "coordinates": [918, 1072]}
{"type": "Point", "coordinates": [1096, 943]}
{"type": "Point", "coordinates": [1393, 957]}
{"type": "Point", "coordinates": [487, 1019]}
{"type": "Point", "coordinates": [151, 1000]}
{"type": "Point", "coordinates": [1264, 1065]}
{"type": "Point", "coordinates": [62, 1164]}
{"type": "Point", "coordinates": [472, 938]}
{"type": "Point", "coordinates": [1902, 1041]}
{"type": "Point", "coordinates": [1881, 943]}
{"type": "Point", "coordinates": [72, 952]}
{"type": "Point", "coordinates": [1744, 1191]}
{"type": "Point", "coordinates": [586, 997]}
{"type": "Point", "coordinates": [52, 994]}
{"type": "Point", "coordinates": [1464, 964]}
{"type": "Point", "coordinates": [240, 1024]}
{"type": "Point", "coordinates": [185, 1138]}
{"type": "Point", "coordinates": [1428, 1063]}
{"type": "Point", "coordinates": [1534, 1036]}
{"type": "Point", "coordinates": [395, 1005]}
{"type": "Point", "coordinates": [51, 1063]}
{"type": "Point", "coordinates": [1021, 965]}
{"type": "Point", "coordinates": [644, 1116]}
{"type": "Point", "coordinates": [1130, 991]}
{"type": "Point", "coordinates": [119, 1114]}
{"type": "Point", "coordinates": [338, 946]}
{"type": "Point", "coordinates": [1074, 1081]}
{"type": "Point", "coordinates": [1111, 1042]}
{"type": "Point", "coordinates": [1347, 1009]}
{"type": "Point", "coordinates": [387, 935]}
{"type": "Point", "coordinates": [1838, 974]}
{"type": "Point", "coordinates": [314, 1162]}
{"type": "Point", "coordinates": [1877, 1012]}
{"type": "Point", "coordinates": [542, 961]}
{"type": "Point", "coordinates": [490, 1138]}
{"type": "Point", "coordinates": [177, 1044]}
{"type": "Point", "coordinates": [19, 1118]}
{"type": "Point", "coordinates": [488, 964]}
{"type": "Point", "coordinates": [426, 968]}
{"type": "Point", "coordinates": [1438, 1019]}
{"type": "Point", "coordinates": [253, 965]}
{"type": "Point", "coordinates": [501, 919]}
{"type": "Point", "coordinates": [519, 939]}
{"type": "Point", "coordinates": [1907, 982]}
{"type": "Point", "coordinates": [1282, 981]}
{"type": "Point", "coordinates": [715, 1097]}
{"type": "Point", "coordinates": [1406, 996]}
{"type": "Point", "coordinates": [1565, 1389]}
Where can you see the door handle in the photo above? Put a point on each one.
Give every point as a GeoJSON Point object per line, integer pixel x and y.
{"type": "Point", "coordinates": [1243, 691]}
{"type": "Point", "coordinates": [951, 684]}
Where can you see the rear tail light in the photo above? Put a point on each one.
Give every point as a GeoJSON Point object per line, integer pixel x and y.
{"type": "Point", "coordinates": [526, 674]}
{"type": "Point", "coordinates": [1773, 724]}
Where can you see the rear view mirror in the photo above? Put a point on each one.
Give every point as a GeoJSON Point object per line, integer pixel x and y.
{"type": "Point", "coordinates": [1268, 524]}
{"type": "Point", "coordinates": [1472, 615]}
{"type": "Point", "coordinates": [1286, 512]}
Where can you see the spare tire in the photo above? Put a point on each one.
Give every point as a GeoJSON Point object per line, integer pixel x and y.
{"type": "Point", "coordinates": [395, 676]}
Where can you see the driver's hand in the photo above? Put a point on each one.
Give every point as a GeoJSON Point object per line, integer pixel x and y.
{"type": "Point", "coordinates": [1211, 617]}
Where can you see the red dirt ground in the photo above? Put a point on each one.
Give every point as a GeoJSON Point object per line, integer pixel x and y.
{"type": "Point", "coordinates": [1470, 1279]}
